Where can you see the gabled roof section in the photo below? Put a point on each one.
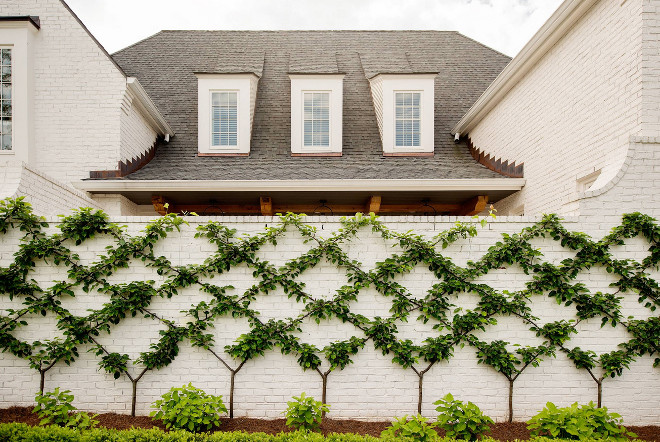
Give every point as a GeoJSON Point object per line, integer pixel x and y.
{"type": "Point", "coordinates": [73, 14]}
{"type": "Point", "coordinates": [166, 64]}
{"type": "Point", "coordinates": [563, 19]}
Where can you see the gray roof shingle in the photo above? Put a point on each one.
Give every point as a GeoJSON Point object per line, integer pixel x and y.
{"type": "Point", "coordinates": [165, 64]}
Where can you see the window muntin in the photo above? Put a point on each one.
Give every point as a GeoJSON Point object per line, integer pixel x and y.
{"type": "Point", "coordinates": [5, 99]}
{"type": "Point", "coordinates": [407, 119]}
{"type": "Point", "coordinates": [224, 119]}
{"type": "Point", "coordinates": [316, 119]}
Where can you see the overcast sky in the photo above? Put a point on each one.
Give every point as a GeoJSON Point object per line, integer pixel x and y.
{"type": "Point", "coordinates": [505, 25]}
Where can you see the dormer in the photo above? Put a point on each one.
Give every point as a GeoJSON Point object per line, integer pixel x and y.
{"type": "Point", "coordinates": [402, 89]}
{"type": "Point", "coordinates": [404, 105]}
{"type": "Point", "coordinates": [225, 111]}
{"type": "Point", "coordinates": [317, 89]}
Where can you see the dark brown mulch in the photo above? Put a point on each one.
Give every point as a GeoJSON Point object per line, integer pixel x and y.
{"type": "Point", "coordinates": [502, 431]}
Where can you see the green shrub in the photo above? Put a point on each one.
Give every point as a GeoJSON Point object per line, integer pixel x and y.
{"type": "Point", "coordinates": [416, 428]}
{"type": "Point", "coordinates": [461, 420]}
{"type": "Point", "coordinates": [55, 407]}
{"type": "Point", "coordinates": [578, 423]}
{"type": "Point", "coordinates": [25, 433]}
{"type": "Point", "coordinates": [304, 413]}
{"type": "Point", "coordinates": [189, 408]}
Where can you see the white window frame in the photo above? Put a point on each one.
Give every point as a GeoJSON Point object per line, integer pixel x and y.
{"type": "Point", "coordinates": [586, 182]}
{"type": "Point", "coordinates": [388, 86]}
{"type": "Point", "coordinates": [245, 85]}
{"type": "Point", "coordinates": [11, 141]}
{"type": "Point", "coordinates": [421, 112]}
{"type": "Point", "coordinates": [238, 119]}
{"type": "Point", "coordinates": [302, 132]}
{"type": "Point", "coordinates": [19, 36]}
{"type": "Point", "coordinates": [301, 84]}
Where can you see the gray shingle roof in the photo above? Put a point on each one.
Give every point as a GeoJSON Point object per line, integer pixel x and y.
{"type": "Point", "coordinates": [165, 63]}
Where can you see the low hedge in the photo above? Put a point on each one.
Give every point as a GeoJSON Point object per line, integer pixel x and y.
{"type": "Point", "coordinates": [16, 432]}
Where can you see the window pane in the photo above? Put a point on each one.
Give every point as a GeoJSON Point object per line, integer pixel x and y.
{"type": "Point", "coordinates": [6, 142]}
{"type": "Point", "coordinates": [224, 116]}
{"type": "Point", "coordinates": [316, 119]}
{"type": "Point", "coordinates": [5, 99]}
{"type": "Point", "coordinates": [407, 119]}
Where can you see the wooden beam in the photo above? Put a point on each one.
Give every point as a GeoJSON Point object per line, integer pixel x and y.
{"type": "Point", "coordinates": [159, 203]}
{"type": "Point", "coordinates": [473, 206]}
{"type": "Point", "coordinates": [266, 205]}
{"type": "Point", "coordinates": [267, 208]}
{"type": "Point", "coordinates": [222, 209]}
{"type": "Point", "coordinates": [417, 208]}
{"type": "Point", "coordinates": [310, 209]}
{"type": "Point", "coordinates": [373, 205]}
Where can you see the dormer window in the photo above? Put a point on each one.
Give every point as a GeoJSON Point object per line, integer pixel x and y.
{"type": "Point", "coordinates": [407, 131]}
{"type": "Point", "coordinates": [225, 113]}
{"type": "Point", "coordinates": [316, 114]}
{"type": "Point", "coordinates": [316, 125]}
{"type": "Point", "coordinates": [404, 105]}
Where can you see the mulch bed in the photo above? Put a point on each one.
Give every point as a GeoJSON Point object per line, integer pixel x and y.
{"type": "Point", "coordinates": [501, 431]}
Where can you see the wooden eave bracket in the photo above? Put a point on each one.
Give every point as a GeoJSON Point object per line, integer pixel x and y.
{"type": "Point", "coordinates": [373, 205]}
{"type": "Point", "coordinates": [159, 203]}
{"type": "Point", "coordinates": [473, 206]}
{"type": "Point", "coordinates": [266, 204]}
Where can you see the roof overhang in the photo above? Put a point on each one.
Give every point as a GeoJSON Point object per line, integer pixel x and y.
{"type": "Point", "coordinates": [31, 19]}
{"type": "Point", "coordinates": [564, 18]}
{"type": "Point", "coordinates": [284, 193]}
{"type": "Point", "coordinates": [148, 108]}
{"type": "Point", "coordinates": [110, 186]}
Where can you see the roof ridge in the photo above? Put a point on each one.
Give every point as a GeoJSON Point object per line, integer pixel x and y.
{"type": "Point", "coordinates": [137, 42]}
{"type": "Point", "coordinates": [483, 45]}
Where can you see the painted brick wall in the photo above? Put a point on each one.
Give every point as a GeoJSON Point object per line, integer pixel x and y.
{"type": "Point", "coordinates": [47, 195]}
{"type": "Point", "coordinates": [574, 111]}
{"type": "Point", "coordinates": [136, 134]}
{"type": "Point", "coordinates": [650, 118]}
{"type": "Point", "coordinates": [633, 189]}
{"type": "Point", "coordinates": [78, 93]}
{"type": "Point", "coordinates": [371, 388]}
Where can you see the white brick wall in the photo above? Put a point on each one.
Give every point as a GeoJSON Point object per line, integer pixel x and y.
{"type": "Point", "coordinates": [371, 388]}
{"type": "Point", "coordinates": [78, 93]}
{"type": "Point", "coordinates": [633, 189]}
{"type": "Point", "coordinates": [650, 118]}
{"type": "Point", "coordinates": [136, 134]}
{"type": "Point", "coordinates": [116, 205]}
{"type": "Point", "coordinates": [574, 111]}
{"type": "Point", "coordinates": [47, 195]}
